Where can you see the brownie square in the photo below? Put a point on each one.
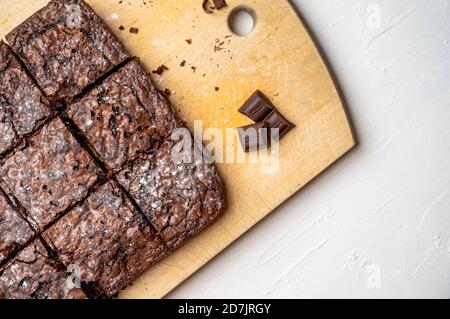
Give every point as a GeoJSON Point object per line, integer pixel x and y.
{"type": "Point", "coordinates": [180, 198]}
{"type": "Point", "coordinates": [14, 230]}
{"type": "Point", "coordinates": [50, 175]}
{"type": "Point", "coordinates": [66, 47]}
{"type": "Point", "coordinates": [123, 116]}
{"type": "Point", "coordinates": [34, 274]}
{"type": "Point", "coordinates": [23, 107]}
{"type": "Point", "coordinates": [107, 239]}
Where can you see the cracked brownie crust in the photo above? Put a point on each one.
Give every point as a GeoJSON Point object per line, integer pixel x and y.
{"type": "Point", "coordinates": [123, 116]}
{"type": "Point", "coordinates": [50, 175]}
{"type": "Point", "coordinates": [14, 230]}
{"type": "Point", "coordinates": [34, 274]}
{"type": "Point", "coordinates": [22, 105]}
{"type": "Point", "coordinates": [66, 47]}
{"type": "Point", "coordinates": [179, 198]}
{"type": "Point", "coordinates": [107, 239]}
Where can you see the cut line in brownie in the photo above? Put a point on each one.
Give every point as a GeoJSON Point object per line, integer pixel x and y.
{"type": "Point", "coordinates": [107, 240]}
{"type": "Point", "coordinates": [180, 198]}
{"type": "Point", "coordinates": [14, 230]}
{"type": "Point", "coordinates": [66, 47]}
{"type": "Point", "coordinates": [50, 175]}
{"type": "Point", "coordinates": [23, 107]}
{"type": "Point", "coordinates": [34, 274]}
{"type": "Point", "coordinates": [124, 116]}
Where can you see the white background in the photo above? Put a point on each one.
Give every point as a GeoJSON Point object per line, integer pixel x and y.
{"type": "Point", "coordinates": [377, 224]}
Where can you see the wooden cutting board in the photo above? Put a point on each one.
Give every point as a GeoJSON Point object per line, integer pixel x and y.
{"type": "Point", "coordinates": [277, 57]}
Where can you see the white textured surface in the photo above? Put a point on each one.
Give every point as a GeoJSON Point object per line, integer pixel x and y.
{"type": "Point", "coordinates": [384, 208]}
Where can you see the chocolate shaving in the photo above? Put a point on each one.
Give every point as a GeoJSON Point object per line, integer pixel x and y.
{"type": "Point", "coordinates": [189, 41]}
{"type": "Point", "coordinates": [134, 30]}
{"type": "Point", "coordinates": [161, 69]}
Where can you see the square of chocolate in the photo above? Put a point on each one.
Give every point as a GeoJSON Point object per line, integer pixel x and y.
{"type": "Point", "coordinates": [35, 274]}
{"type": "Point", "coordinates": [257, 107]}
{"type": "Point", "coordinates": [23, 107]}
{"type": "Point", "coordinates": [123, 116]}
{"type": "Point", "coordinates": [179, 197]}
{"type": "Point", "coordinates": [66, 47]}
{"type": "Point", "coordinates": [52, 173]}
{"type": "Point", "coordinates": [254, 136]}
{"type": "Point", "coordinates": [277, 121]}
{"type": "Point", "coordinates": [14, 230]}
{"type": "Point", "coordinates": [106, 240]}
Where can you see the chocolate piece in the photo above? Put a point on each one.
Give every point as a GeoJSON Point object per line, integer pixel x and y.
{"type": "Point", "coordinates": [50, 175]}
{"type": "Point", "coordinates": [189, 41]}
{"type": "Point", "coordinates": [108, 240]}
{"type": "Point", "coordinates": [219, 4]}
{"type": "Point", "coordinates": [179, 198]}
{"type": "Point", "coordinates": [260, 109]}
{"type": "Point", "coordinates": [160, 70]}
{"type": "Point", "coordinates": [123, 116]}
{"type": "Point", "coordinates": [183, 63]}
{"type": "Point", "coordinates": [276, 120]}
{"type": "Point", "coordinates": [34, 274]}
{"type": "Point", "coordinates": [66, 47]}
{"type": "Point", "coordinates": [257, 107]}
{"type": "Point", "coordinates": [134, 30]}
{"type": "Point", "coordinates": [121, 28]}
{"type": "Point", "coordinates": [14, 230]}
{"type": "Point", "coordinates": [254, 137]}
{"type": "Point", "coordinates": [23, 107]}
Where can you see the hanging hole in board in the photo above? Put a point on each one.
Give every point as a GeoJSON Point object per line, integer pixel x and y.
{"type": "Point", "coordinates": [242, 21]}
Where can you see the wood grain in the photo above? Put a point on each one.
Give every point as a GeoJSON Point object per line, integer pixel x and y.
{"type": "Point", "coordinates": [277, 57]}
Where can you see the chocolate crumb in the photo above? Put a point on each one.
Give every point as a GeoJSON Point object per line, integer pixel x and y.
{"type": "Point", "coordinates": [217, 88]}
{"type": "Point", "coordinates": [161, 69]}
{"type": "Point", "coordinates": [183, 63]}
{"type": "Point", "coordinates": [134, 30]}
{"type": "Point", "coordinates": [189, 41]}
{"type": "Point", "coordinates": [121, 28]}
{"type": "Point", "coordinates": [167, 92]}
{"type": "Point", "coordinates": [194, 68]}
